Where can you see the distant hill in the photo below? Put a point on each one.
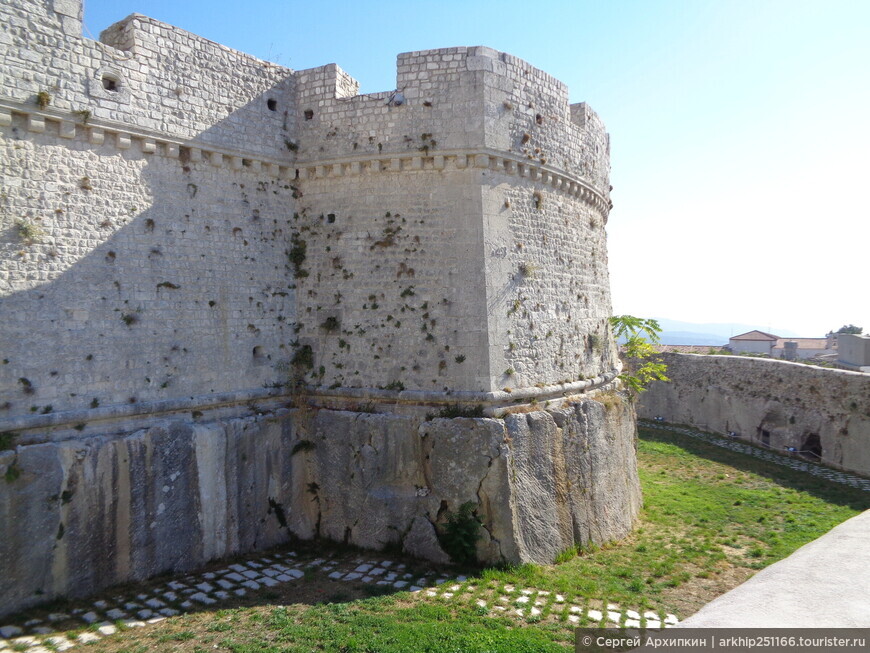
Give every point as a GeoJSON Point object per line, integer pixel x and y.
{"type": "Point", "coordinates": [675, 332]}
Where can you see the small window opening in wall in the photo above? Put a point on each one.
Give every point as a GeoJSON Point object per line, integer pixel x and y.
{"type": "Point", "coordinates": [110, 83]}
{"type": "Point", "coordinates": [309, 114]}
{"type": "Point", "coordinates": [272, 103]}
{"type": "Point", "coordinates": [259, 357]}
{"type": "Point", "coordinates": [330, 218]}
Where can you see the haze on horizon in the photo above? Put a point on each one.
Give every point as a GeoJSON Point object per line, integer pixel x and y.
{"type": "Point", "coordinates": [739, 140]}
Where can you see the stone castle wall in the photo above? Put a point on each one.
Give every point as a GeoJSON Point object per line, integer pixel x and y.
{"type": "Point", "coordinates": [161, 265]}
{"type": "Point", "coordinates": [86, 513]}
{"type": "Point", "coordinates": [760, 400]}
{"type": "Point", "coordinates": [192, 240]}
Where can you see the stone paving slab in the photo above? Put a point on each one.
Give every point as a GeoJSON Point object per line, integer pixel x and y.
{"type": "Point", "coordinates": [208, 590]}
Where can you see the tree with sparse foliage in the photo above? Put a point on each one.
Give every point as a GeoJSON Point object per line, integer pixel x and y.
{"type": "Point", "coordinates": [642, 363]}
{"type": "Point", "coordinates": [850, 328]}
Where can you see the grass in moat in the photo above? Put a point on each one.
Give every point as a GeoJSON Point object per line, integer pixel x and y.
{"type": "Point", "coordinates": [710, 518]}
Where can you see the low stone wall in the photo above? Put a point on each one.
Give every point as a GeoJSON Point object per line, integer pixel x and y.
{"type": "Point", "coordinates": [88, 513]}
{"type": "Point", "coordinates": [771, 403]}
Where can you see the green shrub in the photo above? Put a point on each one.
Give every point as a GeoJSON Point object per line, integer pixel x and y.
{"type": "Point", "coordinates": [459, 535]}
{"type": "Point", "coordinates": [7, 438]}
{"type": "Point", "coordinates": [303, 358]}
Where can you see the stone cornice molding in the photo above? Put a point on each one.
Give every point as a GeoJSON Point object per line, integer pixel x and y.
{"type": "Point", "coordinates": [494, 404]}
{"type": "Point", "coordinates": [458, 159]}
{"type": "Point", "coordinates": [454, 159]}
{"type": "Point", "coordinates": [149, 142]}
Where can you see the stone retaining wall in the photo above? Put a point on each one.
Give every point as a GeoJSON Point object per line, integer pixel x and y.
{"type": "Point", "coordinates": [769, 403]}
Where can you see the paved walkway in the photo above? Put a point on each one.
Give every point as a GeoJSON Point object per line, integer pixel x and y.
{"type": "Point", "coordinates": [824, 584]}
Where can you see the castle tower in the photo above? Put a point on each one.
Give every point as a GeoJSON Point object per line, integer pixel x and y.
{"type": "Point", "coordinates": [242, 303]}
{"type": "Point", "coordinates": [453, 232]}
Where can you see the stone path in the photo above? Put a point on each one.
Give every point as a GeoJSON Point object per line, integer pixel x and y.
{"type": "Point", "coordinates": [104, 617]}
{"type": "Point", "coordinates": [534, 605]}
{"type": "Point", "coordinates": [768, 455]}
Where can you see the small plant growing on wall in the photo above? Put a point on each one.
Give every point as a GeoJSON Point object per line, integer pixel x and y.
{"type": "Point", "coordinates": [594, 341]}
{"type": "Point", "coordinates": [43, 99]}
{"type": "Point", "coordinates": [303, 358]}
{"type": "Point", "coordinates": [29, 232]}
{"type": "Point", "coordinates": [330, 324]}
{"type": "Point", "coordinates": [296, 255]}
{"type": "Point", "coordinates": [7, 438]}
{"type": "Point", "coordinates": [528, 270]}
{"type": "Point", "coordinates": [451, 412]}
{"type": "Point", "coordinates": [84, 115]}
{"type": "Point", "coordinates": [85, 183]}
{"type": "Point", "coordinates": [12, 473]}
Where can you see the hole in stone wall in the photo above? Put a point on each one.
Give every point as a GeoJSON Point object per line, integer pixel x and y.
{"type": "Point", "coordinates": [110, 83]}
{"type": "Point", "coordinates": [259, 356]}
{"type": "Point", "coordinates": [309, 114]}
{"type": "Point", "coordinates": [812, 447]}
{"type": "Point", "coordinates": [330, 218]}
{"type": "Point", "coordinates": [272, 104]}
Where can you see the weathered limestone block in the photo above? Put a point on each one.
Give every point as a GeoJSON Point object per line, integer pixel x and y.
{"type": "Point", "coordinates": [575, 478]}
{"type": "Point", "coordinates": [539, 482]}
{"type": "Point", "coordinates": [421, 541]}
{"type": "Point", "coordinates": [468, 460]}
{"type": "Point", "coordinates": [367, 469]}
{"type": "Point", "coordinates": [605, 493]}
{"type": "Point", "coordinates": [94, 512]}
{"type": "Point", "coordinates": [31, 519]}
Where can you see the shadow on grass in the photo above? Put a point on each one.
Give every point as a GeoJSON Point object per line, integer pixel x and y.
{"type": "Point", "coordinates": [829, 491]}
{"type": "Point", "coordinates": [314, 588]}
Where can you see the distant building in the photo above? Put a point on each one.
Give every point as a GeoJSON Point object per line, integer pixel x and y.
{"type": "Point", "coordinates": [800, 348]}
{"type": "Point", "coordinates": [753, 342]}
{"type": "Point", "coordinates": [854, 351]}
{"type": "Point", "coordinates": [768, 344]}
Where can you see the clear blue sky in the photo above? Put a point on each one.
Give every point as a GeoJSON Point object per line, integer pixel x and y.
{"type": "Point", "coordinates": [740, 129]}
